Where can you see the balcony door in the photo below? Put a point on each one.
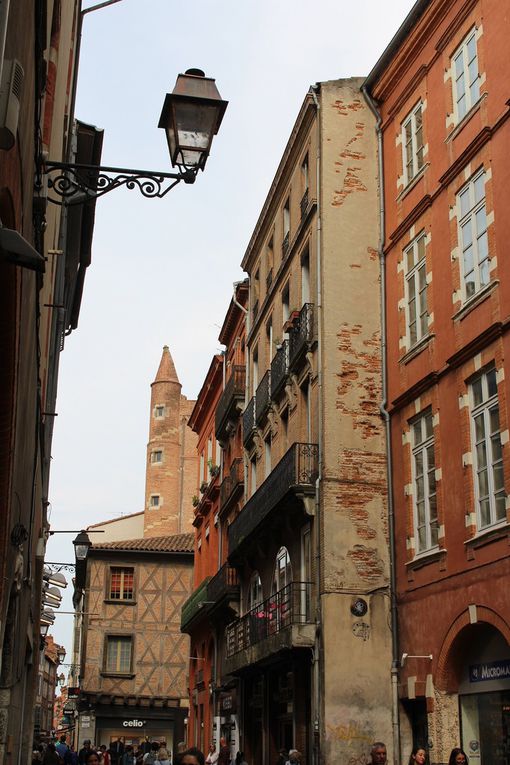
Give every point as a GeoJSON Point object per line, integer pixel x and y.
{"type": "Point", "coordinates": [280, 607]}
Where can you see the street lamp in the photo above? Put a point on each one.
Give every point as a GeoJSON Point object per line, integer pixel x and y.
{"type": "Point", "coordinates": [81, 546]}
{"type": "Point", "coordinates": [191, 116]}
{"type": "Point", "coordinates": [61, 679]}
{"type": "Point", "coordinates": [61, 654]}
{"type": "Point", "coordinates": [56, 578]}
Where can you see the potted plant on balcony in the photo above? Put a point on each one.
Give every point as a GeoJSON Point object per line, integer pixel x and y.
{"type": "Point", "coordinates": [203, 487]}
{"type": "Point", "coordinates": [195, 501]}
{"type": "Point", "coordinates": [214, 470]}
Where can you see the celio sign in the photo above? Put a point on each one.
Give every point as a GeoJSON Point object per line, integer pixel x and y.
{"type": "Point", "coordinates": [133, 723]}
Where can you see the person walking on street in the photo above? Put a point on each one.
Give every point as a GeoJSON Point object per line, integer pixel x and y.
{"type": "Point", "coordinates": [212, 757]}
{"type": "Point", "coordinates": [458, 757]}
{"type": "Point", "coordinates": [378, 753]}
{"type": "Point", "coordinates": [224, 755]}
{"type": "Point", "coordinates": [128, 758]}
{"type": "Point", "coordinates": [418, 756]}
{"type": "Point", "coordinates": [84, 752]}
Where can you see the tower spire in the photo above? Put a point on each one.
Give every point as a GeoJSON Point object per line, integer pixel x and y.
{"type": "Point", "coordinates": [166, 370]}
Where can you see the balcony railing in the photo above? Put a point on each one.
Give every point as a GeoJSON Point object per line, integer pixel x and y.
{"type": "Point", "coordinates": [249, 421]}
{"type": "Point", "coordinates": [230, 403]}
{"type": "Point", "coordinates": [232, 481]}
{"type": "Point", "coordinates": [288, 606]}
{"type": "Point", "coordinates": [269, 279]}
{"type": "Point", "coordinates": [296, 471]}
{"type": "Point", "coordinates": [304, 204]}
{"type": "Point", "coordinates": [263, 397]}
{"type": "Point", "coordinates": [279, 369]}
{"type": "Point", "coordinates": [300, 335]}
{"type": "Point", "coordinates": [224, 584]}
{"type": "Point", "coordinates": [193, 605]}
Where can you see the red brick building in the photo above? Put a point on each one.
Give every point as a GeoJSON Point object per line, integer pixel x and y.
{"type": "Point", "coordinates": [215, 599]}
{"type": "Point", "coordinates": [441, 91]}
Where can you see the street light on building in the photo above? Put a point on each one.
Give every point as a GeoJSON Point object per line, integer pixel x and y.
{"type": "Point", "coordinates": [81, 544]}
{"type": "Point", "coordinates": [191, 116]}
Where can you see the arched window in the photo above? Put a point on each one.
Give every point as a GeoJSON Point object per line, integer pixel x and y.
{"type": "Point", "coordinates": [282, 570]}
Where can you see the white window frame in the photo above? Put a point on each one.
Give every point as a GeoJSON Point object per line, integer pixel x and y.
{"type": "Point", "coordinates": [115, 642]}
{"type": "Point", "coordinates": [462, 55]}
{"type": "Point", "coordinates": [417, 149]}
{"type": "Point", "coordinates": [421, 453]}
{"type": "Point", "coordinates": [494, 456]}
{"type": "Point", "coordinates": [159, 411]}
{"type": "Point", "coordinates": [153, 504]}
{"type": "Point", "coordinates": [154, 453]}
{"type": "Point", "coordinates": [412, 281]}
{"type": "Point", "coordinates": [470, 219]}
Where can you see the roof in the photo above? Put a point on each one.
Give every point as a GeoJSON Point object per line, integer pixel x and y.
{"type": "Point", "coordinates": [398, 38]}
{"type": "Point", "coordinates": [166, 370]}
{"type": "Point", "coordinates": [175, 543]}
{"type": "Point", "coordinates": [114, 520]}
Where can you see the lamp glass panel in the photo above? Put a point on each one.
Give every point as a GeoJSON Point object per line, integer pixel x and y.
{"type": "Point", "coordinates": [81, 551]}
{"type": "Point", "coordinates": [195, 124]}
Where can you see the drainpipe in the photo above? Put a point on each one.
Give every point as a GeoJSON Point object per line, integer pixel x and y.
{"type": "Point", "coordinates": [246, 312]}
{"type": "Point", "coordinates": [318, 625]}
{"type": "Point", "coordinates": [385, 414]}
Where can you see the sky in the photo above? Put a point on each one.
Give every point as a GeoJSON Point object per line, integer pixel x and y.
{"type": "Point", "coordinates": [162, 270]}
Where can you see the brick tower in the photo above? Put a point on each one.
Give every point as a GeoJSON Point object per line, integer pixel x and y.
{"type": "Point", "coordinates": [171, 456]}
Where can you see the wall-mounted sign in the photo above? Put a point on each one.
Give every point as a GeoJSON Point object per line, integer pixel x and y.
{"type": "Point", "coordinates": [73, 693]}
{"type": "Point", "coordinates": [491, 670]}
{"type": "Point", "coordinates": [359, 607]}
{"type": "Point", "coordinates": [133, 723]}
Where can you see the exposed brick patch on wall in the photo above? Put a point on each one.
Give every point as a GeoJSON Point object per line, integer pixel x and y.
{"type": "Point", "coordinates": [369, 566]}
{"type": "Point", "coordinates": [352, 183]}
{"type": "Point", "coordinates": [344, 108]}
{"type": "Point", "coordinates": [359, 368]}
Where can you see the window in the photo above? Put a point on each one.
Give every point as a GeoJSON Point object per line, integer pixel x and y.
{"type": "Point", "coordinates": [253, 475]}
{"type": "Point", "coordinates": [305, 278]}
{"type": "Point", "coordinates": [424, 478]}
{"type": "Point", "coordinates": [254, 591]}
{"type": "Point", "coordinates": [286, 226]}
{"type": "Point", "coordinates": [154, 500]}
{"type": "Point", "coordinates": [473, 235]}
{"type": "Point", "coordinates": [118, 654]}
{"type": "Point", "coordinates": [416, 290]}
{"type": "Point", "coordinates": [157, 456]}
{"type": "Point", "coordinates": [488, 457]}
{"type": "Point", "coordinates": [465, 77]}
{"type": "Point", "coordinates": [267, 456]}
{"type": "Point", "coordinates": [285, 306]}
{"type": "Point", "coordinates": [159, 411]}
{"type": "Point", "coordinates": [122, 583]}
{"type": "Point", "coordinates": [412, 144]}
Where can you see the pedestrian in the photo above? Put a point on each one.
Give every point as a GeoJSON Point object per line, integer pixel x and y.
{"type": "Point", "coordinates": [51, 756]}
{"type": "Point", "coordinates": [104, 755]}
{"type": "Point", "coordinates": [224, 755]}
{"type": "Point", "coordinates": [240, 759]}
{"type": "Point", "coordinates": [192, 756]}
{"type": "Point", "coordinates": [128, 758]}
{"type": "Point", "coordinates": [283, 756]}
{"type": "Point", "coordinates": [294, 757]}
{"type": "Point", "coordinates": [163, 757]}
{"type": "Point", "coordinates": [212, 756]}
{"type": "Point", "coordinates": [116, 751]}
{"type": "Point", "coordinates": [378, 753]}
{"type": "Point", "coordinates": [458, 757]}
{"type": "Point", "coordinates": [62, 747]}
{"type": "Point", "coordinates": [92, 757]}
{"type": "Point", "coordinates": [71, 756]}
{"type": "Point", "coordinates": [418, 756]}
{"type": "Point", "coordinates": [84, 752]}
{"type": "Point", "coordinates": [138, 755]}
{"type": "Point", "coordinates": [152, 755]}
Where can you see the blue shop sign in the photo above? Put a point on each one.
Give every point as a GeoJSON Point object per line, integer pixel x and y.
{"type": "Point", "coordinates": [491, 670]}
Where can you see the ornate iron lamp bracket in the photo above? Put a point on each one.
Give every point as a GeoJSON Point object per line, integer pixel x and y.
{"type": "Point", "coordinates": [76, 184]}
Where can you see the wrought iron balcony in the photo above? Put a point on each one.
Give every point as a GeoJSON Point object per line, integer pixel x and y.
{"type": "Point", "coordinates": [279, 369]}
{"type": "Point", "coordinates": [300, 336]}
{"type": "Point", "coordinates": [232, 483]}
{"type": "Point", "coordinates": [285, 244]}
{"type": "Point", "coordinates": [193, 606]}
{"type": "Point", "coordinates": [287, 607]}
{"type": "Point", "coordinates": [230, 403]}
{"type": "Point", "coordinates": [249, 421]}
{"type": "Point", "coordinates": [304, 204]}
{"type": "Point", "coordinates": [263, 398]}
{"type": "Point", "coordinates": [296, 472]}
{"type": "Point", "coordinates": [224, 585]}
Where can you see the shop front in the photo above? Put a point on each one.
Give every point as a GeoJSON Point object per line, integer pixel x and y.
{"type": "Point", "coordinates": [484, 701]}
{"type": "Point", "coordinates": [132, 726]}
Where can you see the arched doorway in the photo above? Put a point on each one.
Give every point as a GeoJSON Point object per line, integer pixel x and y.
{"type": "Point", "coordinates": [474, 666]}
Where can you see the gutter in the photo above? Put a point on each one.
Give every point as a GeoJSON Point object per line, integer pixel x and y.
{"type": "Point", "coordinates": [387, 426]}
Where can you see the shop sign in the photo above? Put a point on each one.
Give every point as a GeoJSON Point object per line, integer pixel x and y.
{"type": "Point", "coordinates": [69, 708]}
{"type": "Point", "coordinates": [491, 670]}
{"type": "Point", "coordinates": [133, 723]}
{"type": "Point", "coordinates": [228, 703]}
{"type": "Point", "coordinates": [73, 693]}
